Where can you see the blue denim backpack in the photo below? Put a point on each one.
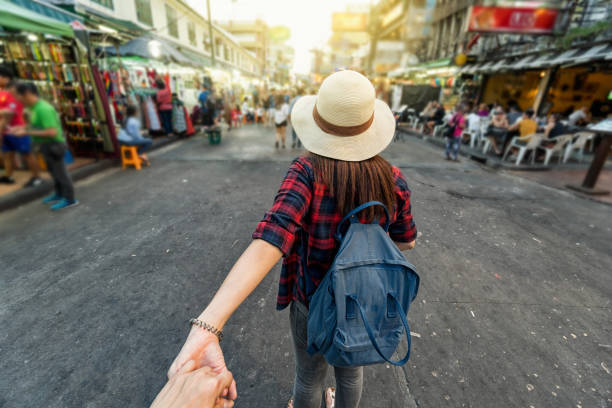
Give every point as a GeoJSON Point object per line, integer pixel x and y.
{"type": "Point", "coordinates": [357, 315]}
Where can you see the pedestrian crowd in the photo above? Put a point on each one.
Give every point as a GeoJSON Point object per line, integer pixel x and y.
{"type": "Point", "coordinates": [272, 109]}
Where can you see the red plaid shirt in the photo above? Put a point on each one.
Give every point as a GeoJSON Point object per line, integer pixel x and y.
{"type": "Point", "coordinates": [302, 223]}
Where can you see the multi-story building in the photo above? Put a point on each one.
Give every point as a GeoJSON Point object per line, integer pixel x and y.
{"type": "Point", "coordinates": [252, 36]}
{"type": "Point", "coordinates": [399, 30]}
{"type": "Point", "coordinates": [349, 34]}
{"type": "Point", "coordinates": [510, 58]}
{"type": "Point", "coordinates": [174, 21]}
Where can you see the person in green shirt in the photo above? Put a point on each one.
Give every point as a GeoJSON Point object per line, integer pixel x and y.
{"type": "Point", "coordinates": [46, 132]}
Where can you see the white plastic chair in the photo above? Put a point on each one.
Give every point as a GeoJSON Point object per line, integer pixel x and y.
{"type": "Point", "coordinates": [473, 137]}
{"type": "Point", "coordinates": [532, 145]}
{"type": "Point", "coordinates": [559, 146]}
{"type": "Point", "coordinates": [578, 145]}
{"type": "Point", "coordinates": [482, 138]}
{"type": "Point", "coordinates": [437, 130]}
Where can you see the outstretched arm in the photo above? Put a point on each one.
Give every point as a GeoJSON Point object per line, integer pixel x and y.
{"type": "Point", "coordinates": [250, 269]}
{"type": "Point", "coordinates": [202, 346]}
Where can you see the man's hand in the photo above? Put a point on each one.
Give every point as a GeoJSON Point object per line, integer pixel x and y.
{"type": "Point", "coordinates": [19, 131]}
{"type": "Point", "coordinates": [202, 388]}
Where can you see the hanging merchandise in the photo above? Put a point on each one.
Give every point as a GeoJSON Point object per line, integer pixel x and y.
{"type": "Point", "coordinates": [190, 128]}
{"type": "Point", "coordinates": [178, 117]}
{"type": "Point", "coordinates": [63, 79]}
{"type": "Point", "coordinates": [154, 123]}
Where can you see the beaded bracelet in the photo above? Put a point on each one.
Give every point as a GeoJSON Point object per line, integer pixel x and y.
{"type": "Point", "coordinates": [207, 327]}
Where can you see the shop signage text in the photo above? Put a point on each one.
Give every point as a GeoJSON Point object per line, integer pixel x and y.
{"type": "Point", "coordinates": [512, 20]}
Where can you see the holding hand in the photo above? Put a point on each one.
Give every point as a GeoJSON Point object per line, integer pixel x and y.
{"type": "Point", "coordinates": [202, 388]}
{"type": "Point", "coordinates": [203, 348]}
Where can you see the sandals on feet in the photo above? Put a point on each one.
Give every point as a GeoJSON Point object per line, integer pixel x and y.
{"type": "Point", "coordinates": [330, 397]}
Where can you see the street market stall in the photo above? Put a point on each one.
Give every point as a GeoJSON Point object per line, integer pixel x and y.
{"type": "Point", "coordinates": [44, 51]}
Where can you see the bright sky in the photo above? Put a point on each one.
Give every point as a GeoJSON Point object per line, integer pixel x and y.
{"type": "Point", "coordinates": [309, 20]}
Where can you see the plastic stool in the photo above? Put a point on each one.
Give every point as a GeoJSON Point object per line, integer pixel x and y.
{"type": "Point", "coordinates": [129, 157]}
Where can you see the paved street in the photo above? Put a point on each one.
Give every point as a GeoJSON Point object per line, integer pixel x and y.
{"type": "Point", "coordinates": [514, 309]}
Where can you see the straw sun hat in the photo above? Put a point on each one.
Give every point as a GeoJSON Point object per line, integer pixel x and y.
{"type": "Point", "coordinates": [344, 121]}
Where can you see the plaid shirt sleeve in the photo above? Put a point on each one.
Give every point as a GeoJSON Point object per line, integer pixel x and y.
{"type": "Point", "coordinates": [403, 229]}
{"type": "Point", "coordinates": [291, 204]}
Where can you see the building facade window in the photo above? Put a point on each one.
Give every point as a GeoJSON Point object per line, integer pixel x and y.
{"type": "Point", "coordinates": [105, 3]}
{"type": "Point", "coordinates": [191, 30]}
{"type": "Point", "coordinates": [217, 48]}
{"type": "Point", "coordinates": [226, 53]}
{"type": "Point", "coordinates": [171, 21]}
{"type": "Point", "coordinates": [143, 12]}
{"type": "Point", "coordinates": [206, 43]}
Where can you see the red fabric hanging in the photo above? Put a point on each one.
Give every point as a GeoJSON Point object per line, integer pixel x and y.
{"type": "Point", "coordinates": [190, 130]}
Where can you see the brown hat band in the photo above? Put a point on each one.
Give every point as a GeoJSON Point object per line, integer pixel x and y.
{"type": "Point", "coordinates": [340, 130]}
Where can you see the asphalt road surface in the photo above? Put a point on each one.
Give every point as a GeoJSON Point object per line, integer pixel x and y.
{"type": "Point", "coordinates": [514, 308]}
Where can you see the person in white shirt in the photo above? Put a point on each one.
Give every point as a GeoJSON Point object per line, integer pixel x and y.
{"type": "Point", "coordinates": [579, 117]}
{"type": "Point", "coordinates": [281, 113]}
{"type": "Point", "coordinates": [245, 110]}
{"type": "Point", "coordinates": [473, 123]}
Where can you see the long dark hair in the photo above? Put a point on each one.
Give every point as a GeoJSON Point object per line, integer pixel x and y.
{"type": "Point", "coordinates": [356, 183]}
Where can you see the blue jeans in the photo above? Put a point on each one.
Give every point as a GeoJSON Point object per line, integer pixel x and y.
{"type": "Point", "coordinates": [452, 145]}
{"type": "Point", "coordinates": [143, 144]}
{"type": "Point", "coordinates": [166, 119]}
{"type": "Point", "coordinates": [310, 371]}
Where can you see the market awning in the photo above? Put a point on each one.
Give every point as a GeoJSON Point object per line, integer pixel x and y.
{"type": "Point", "coordinates": [499, 65]}
{"type": "Point", "coordinates": [473, 68]}
{"type": "Point", "coordinates": [150, 48]}
{"type": "Point", "coordinates": [597, 52]}
{"type": "Point", "coordinates": [18, 18]}
{"type": "Point", "coordinates": [541, 61]}
{"type": "Point", "coordinates": [49, 10]}
{"type": "Point", "coordinates": [95, 17]}
{"type": "Point", "coordinates": [522, 63]}
{"type": "Point", "coordinates": [485, 67]}
{"type": "Point", "coordinates": [197, 59]}
{"type": "Point", "coordinates": [563, 58]}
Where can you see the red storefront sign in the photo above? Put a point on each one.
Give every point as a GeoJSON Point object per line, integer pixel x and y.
{"type": "Point", "coordinates": [512, 20]}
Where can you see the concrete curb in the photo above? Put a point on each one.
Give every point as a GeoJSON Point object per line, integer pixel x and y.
{"type": "Point", "coordinates": [26, 195]}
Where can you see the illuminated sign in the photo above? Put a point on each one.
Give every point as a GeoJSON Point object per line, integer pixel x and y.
{"type": "Point", "coordinates": [349, 22]}
{"type": "Point", "coordinates": [512, 20]}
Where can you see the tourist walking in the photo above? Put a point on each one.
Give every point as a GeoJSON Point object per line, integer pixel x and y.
{"type": "Point", "coordinates": [281, 115]}
{"type": "Point", "coordinates": [344, 129]}
{"type": "Point", "coordinates": [453, 138]}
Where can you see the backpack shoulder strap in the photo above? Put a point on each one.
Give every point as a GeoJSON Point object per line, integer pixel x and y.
{"type": "Point", "coordinates": [357, 210]}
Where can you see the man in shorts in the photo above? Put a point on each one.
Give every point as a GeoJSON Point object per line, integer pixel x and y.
{"type": "Point", "coordinates": [11, 115]}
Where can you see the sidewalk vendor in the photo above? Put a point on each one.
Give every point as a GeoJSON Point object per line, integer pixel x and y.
{"type": "Point", "coordinates": [46, 131]}
{"type": "Point", "coordinates": [131, 134]}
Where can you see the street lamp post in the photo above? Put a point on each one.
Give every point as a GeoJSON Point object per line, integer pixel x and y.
{"type": "Point", "coordinates": [210, 34]}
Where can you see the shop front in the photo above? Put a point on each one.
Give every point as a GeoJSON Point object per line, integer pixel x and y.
{"type": "Point", "coordinates": [576, 87]}
{"type": "Point", "coordinates": [45, 52]}
{"type": "Point", "coordinates": [520, 87]}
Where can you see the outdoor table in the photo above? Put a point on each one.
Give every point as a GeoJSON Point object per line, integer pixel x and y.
{"type": "Point", "coordinates": [604, 129]}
